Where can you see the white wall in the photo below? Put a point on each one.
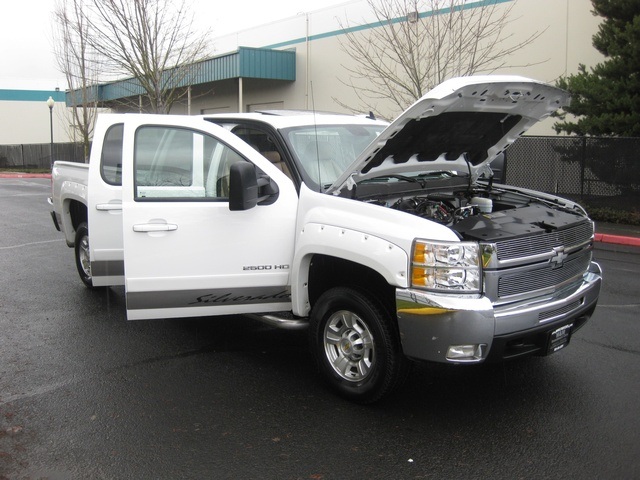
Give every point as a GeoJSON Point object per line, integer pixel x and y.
{"type": "Point", "coordinates": [565, 28]}
{"type": "Point", "coordinates": [28, 122]}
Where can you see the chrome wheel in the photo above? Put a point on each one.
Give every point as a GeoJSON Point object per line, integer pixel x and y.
{"type": "Point", "coordinates": [349, 346]}
{"type": "Point", "coordinates": [356, 345]}
{"type": "Point", "coordinates": [83, 256]}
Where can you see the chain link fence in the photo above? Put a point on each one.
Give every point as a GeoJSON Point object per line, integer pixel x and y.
{"type": "Point", "coordinates": [601, 172]}
{"type": "Point", "coordinates": [39, 155]}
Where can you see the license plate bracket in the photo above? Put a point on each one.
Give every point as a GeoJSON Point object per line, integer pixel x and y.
{"type": "Point", "coordinates": [559, 338]}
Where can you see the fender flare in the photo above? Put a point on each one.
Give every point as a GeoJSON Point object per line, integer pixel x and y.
{"type": "Point", "coordinates": [376, 253]}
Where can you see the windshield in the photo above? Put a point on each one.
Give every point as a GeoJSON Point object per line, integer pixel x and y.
{"type": "Point", "coordinates": [325, 151]}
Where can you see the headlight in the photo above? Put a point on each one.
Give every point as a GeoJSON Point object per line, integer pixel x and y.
{"type": "Point", "coordinates": [446, 266]}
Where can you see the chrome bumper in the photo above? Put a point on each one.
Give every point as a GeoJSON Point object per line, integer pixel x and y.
{"type": "Point", "coordinates": [430, 324]}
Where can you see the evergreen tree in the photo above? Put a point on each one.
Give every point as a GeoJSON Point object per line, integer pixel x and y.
{"type": "Point", "coordinates": [606, 99]}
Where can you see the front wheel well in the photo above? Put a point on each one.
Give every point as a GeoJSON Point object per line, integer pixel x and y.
{"type": "Point", "coordinates": [326, 272]}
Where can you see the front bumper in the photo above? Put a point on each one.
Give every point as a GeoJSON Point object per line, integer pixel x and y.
{"type": "Point", "coordinates": [431, 324]}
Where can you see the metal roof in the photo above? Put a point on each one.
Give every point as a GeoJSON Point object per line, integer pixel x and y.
{"type": "Point", "coordinates": [14, 95]}
{"type": "Point", "coordinates": [246, 62]}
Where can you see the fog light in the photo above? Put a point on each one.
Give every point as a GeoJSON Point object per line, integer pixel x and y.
{"type": "Point", "coordinates": [466, 353]}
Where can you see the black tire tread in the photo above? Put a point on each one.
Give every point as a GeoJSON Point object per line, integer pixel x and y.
{"type": "Point", "coordinates": [396, 366]}
{"type": "Point", "coordinates": [80, 232]}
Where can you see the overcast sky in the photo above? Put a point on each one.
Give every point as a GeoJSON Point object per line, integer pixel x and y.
{"type": "Point", "coordinates": [26, 38]}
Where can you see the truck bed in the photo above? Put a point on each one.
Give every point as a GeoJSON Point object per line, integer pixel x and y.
{"type": "Point", "coordinates": [69, 182]}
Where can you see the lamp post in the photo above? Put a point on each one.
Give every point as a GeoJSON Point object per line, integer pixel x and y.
{"type": "Point", "coordinates": [50, 104]}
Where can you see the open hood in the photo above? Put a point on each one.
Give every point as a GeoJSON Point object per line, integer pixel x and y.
{"type": "Point", "coordinates": [461, 125]}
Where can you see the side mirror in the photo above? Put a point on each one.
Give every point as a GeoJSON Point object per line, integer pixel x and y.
{"type": "Point", "coordinates": [246, 189]}
{"type": "Point", "coordinates": [243, 186]}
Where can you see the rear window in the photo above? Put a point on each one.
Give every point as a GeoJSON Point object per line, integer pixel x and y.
{"type": "Point", "coordinates": [111, 158]}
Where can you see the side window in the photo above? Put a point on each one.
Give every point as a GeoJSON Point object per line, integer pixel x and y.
{"type": "Point", "coordinates": [173, 163]}
{"type": "Point", "coordinates": [263, 143]}
{"type": "Point", "coordinates": [111, 157]}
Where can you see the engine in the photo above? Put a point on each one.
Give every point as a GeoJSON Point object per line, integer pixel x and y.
{"type": "Point", "coordinates": [447, 209]}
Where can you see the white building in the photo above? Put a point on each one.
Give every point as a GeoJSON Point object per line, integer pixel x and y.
{"type": "Point", "coordinates": [298, 63]}
{"type": "Point", "coordinates": [25, 117]}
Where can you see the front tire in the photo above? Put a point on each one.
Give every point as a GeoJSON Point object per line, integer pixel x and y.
{"type": "Point", "coordinates": [355, 345]}
{"type": "Point", "coordinates": [83, 262]}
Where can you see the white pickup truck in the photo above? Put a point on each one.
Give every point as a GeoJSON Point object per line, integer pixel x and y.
{"type": "Point", "coordinates": [390, 242]}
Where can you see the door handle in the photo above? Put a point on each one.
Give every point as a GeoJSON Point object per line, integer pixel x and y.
{"type": "Point", "coordinates": [155, 227]}
{"type": "Point", "coordinates": [106, 207]}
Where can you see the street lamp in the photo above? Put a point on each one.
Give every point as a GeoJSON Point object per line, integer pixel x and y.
{"type": "Point", "coordinates": [50, 104]}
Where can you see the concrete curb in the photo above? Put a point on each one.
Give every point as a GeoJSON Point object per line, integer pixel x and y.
{"type": "Point", "coordinates": [24, 175]}
{"type": "Point", "coordinates": [617, 239]}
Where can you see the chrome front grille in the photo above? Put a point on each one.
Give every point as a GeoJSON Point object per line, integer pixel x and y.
{"type": "Point", "coordinates": [541, 277]}
{"type": "Point", "coordinates": [544, 243]}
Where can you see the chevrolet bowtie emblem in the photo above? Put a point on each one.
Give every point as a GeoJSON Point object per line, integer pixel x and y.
{"type": "Point", "coordinates": [558, 257]}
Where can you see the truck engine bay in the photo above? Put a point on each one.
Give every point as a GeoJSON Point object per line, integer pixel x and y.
{"type": "Point", "coordinates": [486, 213]}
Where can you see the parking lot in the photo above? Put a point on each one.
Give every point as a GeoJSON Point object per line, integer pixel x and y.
{"type": "Point", "coordinates": [86, 394]}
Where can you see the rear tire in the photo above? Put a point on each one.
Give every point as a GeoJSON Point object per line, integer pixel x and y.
{"type": "Point", "coordinates": [356, 345]}
{"type": "Point", "coordinates": [83, 261]}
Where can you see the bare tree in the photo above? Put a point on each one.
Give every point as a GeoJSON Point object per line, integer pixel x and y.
{"type": "Point", "coordinates": [416, 44]}
{"type": "Point", "coordinates": [152, 41]}
{"type": "Point", "coordinates": [73, 55]}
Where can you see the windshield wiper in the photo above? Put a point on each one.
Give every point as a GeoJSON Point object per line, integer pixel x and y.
{"type": "Point", "coordinates": [397, 177]}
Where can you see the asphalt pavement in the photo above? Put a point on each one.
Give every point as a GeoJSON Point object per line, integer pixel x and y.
{"type": "Point", "coordinates": [86, 394]}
